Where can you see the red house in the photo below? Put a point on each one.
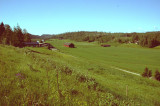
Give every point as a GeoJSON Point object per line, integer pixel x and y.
{"type": "Point", "coordinates": [70, 45]}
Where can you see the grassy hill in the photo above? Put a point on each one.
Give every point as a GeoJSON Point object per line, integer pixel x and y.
{"type": "Point", "coordinates": [78, 76]}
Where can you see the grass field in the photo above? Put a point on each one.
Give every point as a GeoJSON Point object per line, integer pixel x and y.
{"type": "Point", "coordinates": [78, 76]}
{"type": "Point", "coordinates": [126, 56]}
{"type": "Point", "coordinates": [134, 59]}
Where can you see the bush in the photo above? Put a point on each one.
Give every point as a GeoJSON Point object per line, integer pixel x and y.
{"type": "Point", "coordinates": [157, 75]}
{"type": "Point", "coordinates": [147, 73]}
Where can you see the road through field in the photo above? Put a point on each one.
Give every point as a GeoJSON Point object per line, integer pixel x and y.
{"type": "Point", "coordinates": [126, 71]}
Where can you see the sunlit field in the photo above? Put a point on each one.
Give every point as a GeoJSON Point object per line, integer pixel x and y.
{"type": "Point", "coordinates": [131, 57]}
{"type": "Point", "coordinates": [77, 76]}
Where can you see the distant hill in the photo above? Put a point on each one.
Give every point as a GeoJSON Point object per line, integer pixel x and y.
{"type": "Point", "coordinates": [147, 39]}
{"type": "Point", "coordinates": [35, 36]}
{"type": "Point", "coordinates": [44, 36]}
{"type": "Point", "coordinates": [47, 36]}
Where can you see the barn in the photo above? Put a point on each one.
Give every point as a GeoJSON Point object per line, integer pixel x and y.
{"type": "Point", "coordinates": [37, 44]}
{"type": "Point", "coordinates": [70, 45]}
{"type": "Point", "coordinates": [105, 45]}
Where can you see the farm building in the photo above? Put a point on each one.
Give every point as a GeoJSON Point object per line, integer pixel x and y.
{"type": "Point", "coordinates": [105, 45]}
{"type": "Point", "coordinates": [70, 45]}
{"type": "Point", "coordinates": [37, 44]}
{"type": "Point", "coordinates": [33, 44]}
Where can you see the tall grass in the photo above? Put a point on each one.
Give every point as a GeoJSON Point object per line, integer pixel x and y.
{"type": "Point", "coordinates": [37, 76]}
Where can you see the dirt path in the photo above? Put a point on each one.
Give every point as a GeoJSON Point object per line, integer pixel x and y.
{"type": "Point", "coordinates": [125, 71]}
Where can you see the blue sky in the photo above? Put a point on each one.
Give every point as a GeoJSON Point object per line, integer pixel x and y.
{"type": "Point", "coordinates": [59, 16]}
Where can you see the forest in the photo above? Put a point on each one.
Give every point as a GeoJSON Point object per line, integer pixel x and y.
{"type": "Point", "coordinates": [148, 39]}
{"type": "Point", "coordinates": [14, 37]}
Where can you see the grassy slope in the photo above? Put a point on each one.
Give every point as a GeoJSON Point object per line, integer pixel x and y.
{"type": "Point", "coordinates": [28, 76]}
{"type": "Point", "coordinates": [134, 59]}
{"type": "Point", "coordinates": [85, 63]}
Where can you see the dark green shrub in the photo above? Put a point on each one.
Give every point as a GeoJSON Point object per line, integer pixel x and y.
{"type": "Point", "coordinates": [157, 75]}
{"type": "Point", "coordinates": [150, 73]}
{"type": "Point", "coordinates": [147, 73]}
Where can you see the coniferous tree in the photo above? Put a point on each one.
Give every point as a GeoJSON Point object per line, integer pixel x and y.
{"type": "Point", "coordinates": [144, 74]}
{"type": "Point", "coordinates": [15, 37]}
{"type": "Point", "coordinates": [8, 35]}
{"type": "Point", "coordinates": [16, 41]}
{"type": "Point", "coordinates": [150, 73]}
{"type": "Point", "coordinates": [2, 29]}
{"type": "Point", "coordinates": [147, 73]}
{"type": "Point", "coordinates": [27, 37]}
{"type": "Point", "coordinates": [19, 37]}
{"type": "Point", "coordinates": [157, 75]}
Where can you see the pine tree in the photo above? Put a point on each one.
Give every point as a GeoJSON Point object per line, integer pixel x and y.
{"type": "Point", "coordinates": [147, 73]}
{"type": "Point", "coordinates": [150, 73]}
{"type": "Point", "coordinates": [8, 35]}
{"type": "Point", "coordinates": [27, 37]}
{"type": "Point", "coordinates": [157, 75]}
{"type": "Point", "coordinates": [18, 36]}
{"type": "Point", "coordinates": [2, 29]}
{"type": "Point", "coordinates": [15, 38]}
{"type": "Point", "coordinates": [144, 74]}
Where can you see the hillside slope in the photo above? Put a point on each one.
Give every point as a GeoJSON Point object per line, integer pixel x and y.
{"type": "Point", "coordinates": [37, 76]}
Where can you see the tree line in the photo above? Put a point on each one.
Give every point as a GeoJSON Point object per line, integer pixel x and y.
{"type": "Point", "coordinates": [148, 39]}
{"type": "Point", "coordinates": [15, 37]}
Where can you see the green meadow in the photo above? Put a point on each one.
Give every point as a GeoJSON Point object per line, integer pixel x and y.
{"type": "Point", "coordinates": [78, 76]}
{"type": "Point", "coordinates": [131, 57]}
